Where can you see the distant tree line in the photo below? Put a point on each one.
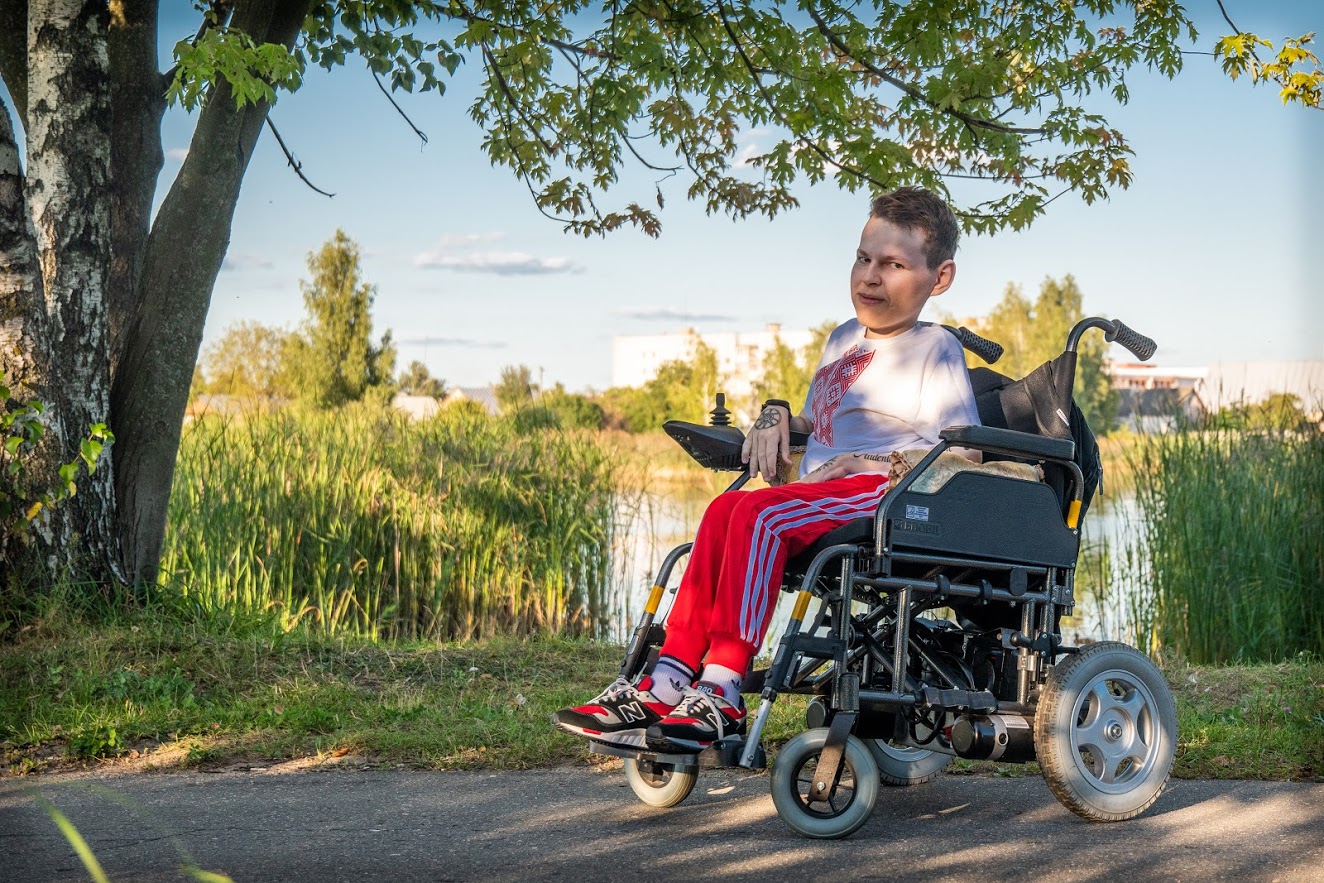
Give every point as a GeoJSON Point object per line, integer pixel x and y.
{"type": "Point", "coordinates": [331, 359]}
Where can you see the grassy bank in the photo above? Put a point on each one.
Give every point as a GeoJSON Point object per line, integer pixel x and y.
{"type": "Point", "coordinates": [164, 691]}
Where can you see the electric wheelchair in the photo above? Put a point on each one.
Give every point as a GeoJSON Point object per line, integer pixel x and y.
{"type": "Point", "coordinates": [936, 628]}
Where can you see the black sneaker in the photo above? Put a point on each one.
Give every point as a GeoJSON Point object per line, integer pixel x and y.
{"type": "Point", "coordinates": [619, 715]}
{"type": "Point", "coordinates": [703, 717]}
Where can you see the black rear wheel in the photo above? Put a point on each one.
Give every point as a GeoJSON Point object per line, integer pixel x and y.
{"type": "Point", "coordinates": [903, 765]}
{"type": "Point", "coordinates": [1106, 732]}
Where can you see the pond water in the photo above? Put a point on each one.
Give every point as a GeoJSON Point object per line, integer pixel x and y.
{"type": "Point", "coordinates": [653, 522]}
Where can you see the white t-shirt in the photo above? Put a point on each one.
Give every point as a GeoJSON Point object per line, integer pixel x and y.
{"type": "Point", "coordinates": [879, 395]}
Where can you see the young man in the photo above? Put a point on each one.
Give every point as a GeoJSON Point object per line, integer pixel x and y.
{"type": "Point", "coordinates": [886, 382]}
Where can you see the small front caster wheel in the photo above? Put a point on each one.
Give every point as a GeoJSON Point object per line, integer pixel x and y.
{"type": "Point", "coordinates": [659, 784]}
{"type": "Point", "coordinates": [839, 813]}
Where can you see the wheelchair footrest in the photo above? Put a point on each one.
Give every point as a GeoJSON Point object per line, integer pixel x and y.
{"type": "Point", "coordinates": [754, 681]}
{"type": "Point", "coordinates": [959, 700]}
{"type": "Point", "coordinates": [723, 754]}
{"type": "Point", "coordinates": [815, 647]}
{"type": "Point", "coordinates": [684, 762]}
{"type": "Point", "coordinates": [727, 754]}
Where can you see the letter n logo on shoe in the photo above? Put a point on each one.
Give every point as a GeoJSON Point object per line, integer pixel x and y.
{"type": "Point", "coordinates": [631, 712]}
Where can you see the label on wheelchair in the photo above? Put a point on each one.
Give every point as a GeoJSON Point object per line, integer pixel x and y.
{"type": "Point", "coordinates": [923, 527]}
{"type": "Point", "coordinates": [917, 513]}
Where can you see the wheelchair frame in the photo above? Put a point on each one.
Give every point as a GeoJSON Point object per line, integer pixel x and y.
{"type": "Point", "coordinates": [1101, 721]}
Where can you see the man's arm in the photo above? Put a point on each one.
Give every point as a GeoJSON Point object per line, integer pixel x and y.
{"type": "Point", "coordinates": [849, 464]}
{"type": "Point", "coordinates": [768, 443]}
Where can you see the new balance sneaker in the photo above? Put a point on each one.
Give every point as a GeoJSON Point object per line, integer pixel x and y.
{"type": "Point", "coordinates": [619, 715]}
{"type": "Point", "coordinates": [702, 718]}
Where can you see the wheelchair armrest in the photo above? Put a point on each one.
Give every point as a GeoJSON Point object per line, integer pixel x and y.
{"type": "Point", "coordinates": [712, 447]}
{"type": "Point", "coordinates": [1009, 442]}
{"type": "Point", "coordinates": [799, 439]}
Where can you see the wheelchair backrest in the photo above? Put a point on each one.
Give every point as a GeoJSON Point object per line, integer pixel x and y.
{"type": "Point", "coordinates": [1041, 403]}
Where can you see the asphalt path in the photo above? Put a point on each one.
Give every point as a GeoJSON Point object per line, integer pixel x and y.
{"type": "Point", "coordinates": [585, 825]}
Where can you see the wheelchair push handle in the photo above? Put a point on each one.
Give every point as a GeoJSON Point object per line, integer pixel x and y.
{"type": "Point", "coordinates": [1140, 346]}
{"type": "Point", "coordinates": [986, 349]}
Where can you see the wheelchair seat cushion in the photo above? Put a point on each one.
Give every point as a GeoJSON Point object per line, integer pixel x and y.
{"type": "Point", "coordinates": [949, 464]}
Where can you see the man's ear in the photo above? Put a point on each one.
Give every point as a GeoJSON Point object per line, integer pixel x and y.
{"type": "Point", "coordinates": [945, 277]}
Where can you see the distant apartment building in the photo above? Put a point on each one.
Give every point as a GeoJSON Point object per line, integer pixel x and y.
{"type": "Point", "coordinates": [484, 396]}
{"type": "Point", "coordinates": [1152, 395]}
{"type": "Point", "coordinates": [636, 357]}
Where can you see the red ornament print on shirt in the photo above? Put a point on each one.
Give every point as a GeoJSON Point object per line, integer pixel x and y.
{"type": "Point", "coordinates": [830, 385]}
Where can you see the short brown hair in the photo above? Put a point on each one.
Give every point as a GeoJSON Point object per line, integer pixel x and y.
{"type": "Point", "coordinates": [918, 209]}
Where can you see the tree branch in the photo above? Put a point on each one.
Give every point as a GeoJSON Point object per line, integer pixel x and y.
{"type": "Point", "coordinates": [837, 43]}
{"type": "Point", "coordinates": [220, 12]}
{"type": "Point", "coordinates": [492, 65]}
{"type": "Point", "coordinates": [772, 105]}
{"type": "Point", "coordinates": [1227, 18]}
{"type": "Point", "coordinates": [404, 116]}
{"type": "Point", "coordinates": [294, 163]}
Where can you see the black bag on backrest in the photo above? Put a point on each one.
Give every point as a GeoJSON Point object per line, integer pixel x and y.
{"type": "Point", "coordinates": [1041, 403]}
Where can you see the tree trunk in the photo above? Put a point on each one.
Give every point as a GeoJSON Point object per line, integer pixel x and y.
{"type": "Point", "coordinates": [21, 307]}
{"type": "Point", "coordinates": [137, 104]}
{"type": "Point", "coordinates": [158, 346]}
{"type": "Point", "coordinates": [68, 185]}
{"type": "Point", "coordinates": [14, 54]}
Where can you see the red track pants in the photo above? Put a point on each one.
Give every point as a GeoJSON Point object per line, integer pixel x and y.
{"type": "Point", "coordinates": [725, 599]}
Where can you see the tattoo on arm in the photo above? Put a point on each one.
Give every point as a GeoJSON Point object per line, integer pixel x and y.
{"type": "Point", "coordinates": [827, 465]}
{"type": "Point", "coordinates": [769, 418]}
{"type": "Point", "coordinates": [875, 458]}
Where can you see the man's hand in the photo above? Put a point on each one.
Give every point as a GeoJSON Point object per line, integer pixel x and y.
{"type": "Point", "coordinates": [849, 464]}
{"type": "Point", "coordinates": [768, 444]}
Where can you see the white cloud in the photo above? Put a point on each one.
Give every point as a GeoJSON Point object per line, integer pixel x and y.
{"type": "Point", "coordinates": [177, 153]}
{"type": "Point", "coordinates": [459, 252]}
{"type": "Point", "coordinates": [237, 260]}
{"type": "Point", "coordinates": [650, 314]}
{"type": "Point", "coordinates": [501, 263]}
{"type": "Point", "coordinates": [748, 152]}
{"type": "Point", "coordinates": [471, 342]}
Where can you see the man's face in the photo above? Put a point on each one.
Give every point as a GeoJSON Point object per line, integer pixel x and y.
{"type": "Point", "coordinates": [891, 279]}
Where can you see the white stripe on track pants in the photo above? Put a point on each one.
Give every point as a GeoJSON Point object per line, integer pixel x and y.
{"type": "Point", "coordinates": [726, 596]}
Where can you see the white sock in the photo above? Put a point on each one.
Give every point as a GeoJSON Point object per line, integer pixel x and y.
{"type": "Point", "coordinates": [670, 678]}
{"type": "Point", "coordinates": [727, 679]}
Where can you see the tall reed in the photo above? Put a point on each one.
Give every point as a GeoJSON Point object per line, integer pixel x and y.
{"type": "Point", "coordinates": [1232, 524]}
{"type": "Point", "coordinates": [363, 522]}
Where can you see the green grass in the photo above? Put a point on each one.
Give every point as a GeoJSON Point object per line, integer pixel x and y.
{"type": "Point", "coordinates": [1250, 721]}
{"type": "Point", "coordinates": [165, 690]}
{"type": "Point", "coordinates": [1232, 550]}
{"type": "Point", "coordinates": [361, 522]}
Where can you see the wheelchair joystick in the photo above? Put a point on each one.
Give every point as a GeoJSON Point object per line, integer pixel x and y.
{"type": "Point", "coordinates": [720, 416]}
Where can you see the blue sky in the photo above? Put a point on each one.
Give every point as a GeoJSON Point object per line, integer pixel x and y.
{"type": "Point", "coordinates": [1213, 251]}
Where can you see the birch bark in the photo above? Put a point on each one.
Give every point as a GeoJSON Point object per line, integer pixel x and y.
{"type": "Point", "coordinates": [67, 186]}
